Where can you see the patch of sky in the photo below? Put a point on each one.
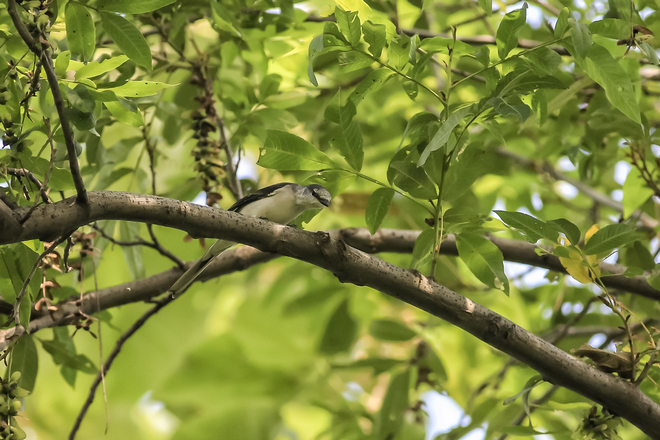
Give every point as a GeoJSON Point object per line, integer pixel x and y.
{"type": "Point", "coordinates": [352, 392]}
{"type": "Point", "coordinates": [621, 170]}
{"type": "Point", "coordinates": [521, 276]}
{"type": "Point", "coordinates": [566, 190]}
{"type": "Point", "coordinates": [537, 203]}
{"type": "Point", "coordinates": [565, 164]}
{"type": "Point", "coordinates": [444, 415]}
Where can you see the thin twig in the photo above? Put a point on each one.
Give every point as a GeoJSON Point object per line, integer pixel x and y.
{"type": "Point", "coordinates": [43, 194]}
{"type": "Point", "coordinates": [22, 172]}
{"type": "Point", "coordinates": [108, 363]}
{"type": "Point", "coordinates": [540, 401]}
{"type": "Point", "coordinates": [231, 170]}
{"type": "Point", "coordinates": [47, 63]}
{"type": "Point", "coordinates": [142, 242]}
{"type": "Point", "coordinates": [35, 266]}
{"type": "Point", "coordinates": [102, 371]}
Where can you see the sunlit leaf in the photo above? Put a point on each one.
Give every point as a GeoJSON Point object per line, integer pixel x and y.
{"type": "Point", "coordinates": [507, 32]}
{"type": "Point", "coordinates": [377, 208]}
{"type": "Point", "coordinates": [484, 260]}
{"type": "Point", "coordinates": [374, 35]}
{"type": "Point", "coordinates": [286, 151]}
{"type": "Point", "coordinates": [129, 39]}
{"type": "Point", "coordinates": [80, 29]}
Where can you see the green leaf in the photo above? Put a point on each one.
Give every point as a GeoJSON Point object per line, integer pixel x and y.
{"type": "Point", "coordinates": [533, 228]}
{"type": "Point", "coordinates": [340, 332]}
{"type": "Point", "coordinates": [511, 106]}
{"type": "Point", "coordinates": [413, 180]}
{"type": "Point", "coordinates": [545, 59]}
{"type": "Point", "coordinates": [79, 98]}
{"type": "Point", "coordinates": [64, 353]}
{"type": "Point", "coordinates": [462, 219]}
{"type": "Point", "coordinates": [649, 51]}
{"type": "Point", "coordinates": [137, 89]}
{"type": "Point", "coordinates": [540, 106]}
{"type": "Point", "coordinates": [269, 86]}
{"type": "Point", "coordinates": [427, 357]}
{"type": "Point", "coordinates": [124, 115]}
{"type": "Point", "coordinates": [223, 20]}
{"type": "Point", "coordinates": [418, 121]}
{"type": "Point", "coordinates": [128, 38]}
{"type": "Point", "coordinates": [370, 83]}
{"type": "Point", "coordinates": [60, 180]}
{"type": "Point", "coordinates": [581, 38]}
{"type": "Point", "coordinates": [562, 23]}
{"type": "Point", "coordinates": [484, 260]}
{"type": "Point", "coordinates": [16, 261]}
{"type": "Point", "coordinates": [390, 417]}
{"type": "Point", "coordinates": [26, 360]}
{"type": "Point", "coordinates": [635, 192]}
{"type": "Point", "coordinates": [443, 45]}
{"type": "Point", "coordinates": [286, 151]}
{"type": "Point", "coordinates": [463, 172]}
{"type": "Point", "coordinates": [609, 238]}
{"type": "Point", "coordinates": [487, 6]}
{"type": "Point", "coordinates": [572, 232]}
{"type": "Point", "coordinates": [513, 84]}
{"type": "Point", "coordinates": [62, 63]}
{"type": "Point", "coordinates": [377, 208]}
{"type": "Point", "coordinates": [132, 6]}
{"type": "Point", "coordinates": [95, 68]}
{"type": "Point", "coordinates": [606, 71]}
{"type": "Point", "coordinates": [130, 231]}
{"type": "Point", "coordinates": [374, 35]}
{"type": "Point", "coordinates": [348, 138]}
{"type": "Point", "coordinates": [507, 32]}
{"type": "Point", "coordinates": [442, 135]}
{"type": "Point", "coordinates": [411, 89]}
{"type": "Point", "coordinates": [638, 256]}
{"type": "Point", "coordinates": [398, 52]}
{"type": "Point", "coordinates": [80, 30]}
{"type": "Point", "coordinates": [315, 47]}
{"type": "Point", "coordinates": [388, 330]}
{"type": "Point", "coordinates": [352, 61]}
{"type": "Point", "coordinates": [349, 23]}
{"type": "Point", "coordinates": [423, 247]}
{"type": "Point", "coordinates": [611, 28]}
{"type": "Point", "coordinates": [654, 279]}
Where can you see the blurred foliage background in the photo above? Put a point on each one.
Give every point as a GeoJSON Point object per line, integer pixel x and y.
{"type": "Point", "coordinates": [557, 111]}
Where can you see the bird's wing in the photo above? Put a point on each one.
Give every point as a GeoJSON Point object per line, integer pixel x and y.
{"type": "Point", "coordinates": [257, 195]}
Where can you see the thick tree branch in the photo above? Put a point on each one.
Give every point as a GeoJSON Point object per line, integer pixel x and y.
{"type": "Point", "coordinates": [392, 240]}
{"type": "Point", "coordinates": [353, 266]}
{"type": "Point", "coordinates": [47, 63]}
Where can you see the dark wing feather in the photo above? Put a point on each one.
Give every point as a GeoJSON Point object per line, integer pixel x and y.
{"type": "Point", "coordinates": [257, 195]}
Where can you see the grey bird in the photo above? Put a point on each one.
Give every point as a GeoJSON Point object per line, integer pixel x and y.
{"type": "Point", "coordinates": [280, 203]}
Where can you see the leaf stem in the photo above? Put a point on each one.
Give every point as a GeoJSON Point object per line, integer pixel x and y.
{"type": "Point", "coordinates": [378, 182]}
{"type": "Point", "coordinates": [408, 77]}
{"type": "Point", "coordinates": [519, 54]}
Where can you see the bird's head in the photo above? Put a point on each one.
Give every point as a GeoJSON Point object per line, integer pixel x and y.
{"type": "Point", "coordinates": [316, 196]}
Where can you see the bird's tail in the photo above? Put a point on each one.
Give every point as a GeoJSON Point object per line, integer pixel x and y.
{"type": "Point", "coordinates": [198, 267]}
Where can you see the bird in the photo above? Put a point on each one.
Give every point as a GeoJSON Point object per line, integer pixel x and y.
{"type": "Point", "coordinates": [280, 203]}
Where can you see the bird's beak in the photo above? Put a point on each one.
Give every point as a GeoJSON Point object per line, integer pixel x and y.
{"type": "Point", "coordinates": [324, 202]}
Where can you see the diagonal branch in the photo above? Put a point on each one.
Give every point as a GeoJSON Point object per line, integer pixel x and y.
{"type": "Point", "coordinates": [108, 363]}
{"type": "Point", "coordinates": [47, 63]}
{"type": "Point", "coordinates": [354, 266]}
